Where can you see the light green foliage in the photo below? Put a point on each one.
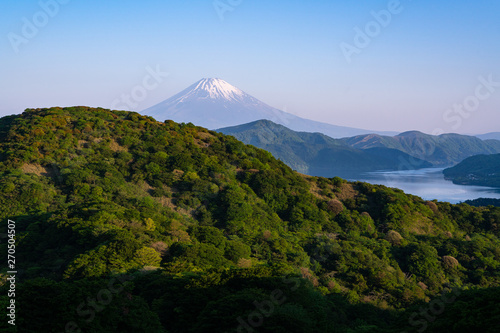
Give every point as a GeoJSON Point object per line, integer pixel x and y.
{"type": "Point", "coordinates": [147, 256]}
{"type": "Point", "coordinates": [95, 193]}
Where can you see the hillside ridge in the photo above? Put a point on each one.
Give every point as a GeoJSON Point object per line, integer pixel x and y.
{"type": "Point", "coordinates": [169, 227]}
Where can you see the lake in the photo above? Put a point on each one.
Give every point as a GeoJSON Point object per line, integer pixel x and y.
{"type": "Point", "coordinates": [428, 184]}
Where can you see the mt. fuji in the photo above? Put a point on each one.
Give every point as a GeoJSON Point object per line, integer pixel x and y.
{"type": "Point", "coordinates": [214, 103]}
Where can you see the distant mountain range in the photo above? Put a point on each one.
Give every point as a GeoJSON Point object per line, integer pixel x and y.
{"type": "Point", "coordinates": [490, 136]}
{"type": "Point", "coordinates": [319, 155]}
{"type": "Point", "coordinates": [483, 202]}
{"type": "Point", "coordinates": [442, 150]}
{"type": "Point", "coordinates": [483, 170]}
{"type": "Point", "coordinates": [214, 103]}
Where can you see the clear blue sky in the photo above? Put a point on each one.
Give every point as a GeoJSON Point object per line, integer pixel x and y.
{"type": "Point", "coordinates": [286, 53]}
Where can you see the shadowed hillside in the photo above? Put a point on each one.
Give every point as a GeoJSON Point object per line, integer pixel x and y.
{"type": "Point", "coordinates": [319, 155]}
{"type": "Point", "coordinates": [126, 224]}
{"type": "Point", "coordinates": [481, 170]}
{"type": "Point", "coordinates": [442, 150]}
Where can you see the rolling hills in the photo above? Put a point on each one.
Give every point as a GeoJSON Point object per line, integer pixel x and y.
{"type": "Point", "coordinates": [481, 170]}
{"type": "Point", "coordinates": [127, 224]}
{"type": "Point", "coordinates": [490, 136]}
{"type": "Point", "coordinates": [442, 150]}
{"type": "Point", "coordinates": [317, 154]}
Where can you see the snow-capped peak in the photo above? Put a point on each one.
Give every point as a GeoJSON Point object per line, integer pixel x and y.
{"type": "Point", "coordinates": [214, 103]}
{"type": "Point", "coordinates": [217, 88]}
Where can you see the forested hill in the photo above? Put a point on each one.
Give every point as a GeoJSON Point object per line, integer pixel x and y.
{"type": "Point", "coordinates": [481, 170]}
{"type": "Point", "coordinates": [126, 224]}
{"type": "Point", "coordinates": [319, 155]}
{"type": "Point", "coordinates": [440, 150]}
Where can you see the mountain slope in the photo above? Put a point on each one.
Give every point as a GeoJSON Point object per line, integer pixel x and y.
{"type": "Point", "coordinates": [489, 136]}
{"type": "Point", "coordinates": [481, 170]}
{"type": "Point", "coordinates": [317, 154]}
{"type": "Point", "coordinates": [126, 224]}
{"type": "Point", "coordinates": [442, 150]}
{"type": "Point", "coordinates": [493, 143]}
{"type": "Point", "coordinates": [214, 103]}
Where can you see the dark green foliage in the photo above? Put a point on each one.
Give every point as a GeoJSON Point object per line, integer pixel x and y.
{"type": "Point", "coordinates": [481, 170]}
{"type": "Point", "coordinates": [102, 305]}
{"type": "Point", "coordinates": [208, 227]}
{"type": "Point", "coordinates": [483, 202]}
{"type": "Point", "coordinates": [456, 311]}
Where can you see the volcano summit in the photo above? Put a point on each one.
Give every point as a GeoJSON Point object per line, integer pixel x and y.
{"type": "Point", "coordinates": [214, 103]}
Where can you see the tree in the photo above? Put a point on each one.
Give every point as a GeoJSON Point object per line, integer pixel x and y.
{"type": "Point", "coordinates": [147, 256]}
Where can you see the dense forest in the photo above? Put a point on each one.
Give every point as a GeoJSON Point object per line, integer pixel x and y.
{"type": "Point", "coordinates": [127, 224]}
{"type": "Point", "coordinates": [483, 202]}
{"type": "Point", "coordinates": [483, 170]}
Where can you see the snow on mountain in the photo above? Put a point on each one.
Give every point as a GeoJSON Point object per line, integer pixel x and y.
{"type": "Point", "coordinates": [214, 103]}
{"type": "Point", "coordinates": [219, 89]}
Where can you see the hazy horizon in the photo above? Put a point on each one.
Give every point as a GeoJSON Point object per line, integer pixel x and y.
{"type": "Point", "coordinates": [385, 65]}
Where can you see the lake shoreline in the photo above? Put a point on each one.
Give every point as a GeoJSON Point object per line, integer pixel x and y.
{"type": "Point", "coordinates": [428, 183]}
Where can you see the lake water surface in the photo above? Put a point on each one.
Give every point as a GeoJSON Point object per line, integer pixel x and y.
{"type": "Point", "coordinates": [428, 184]}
